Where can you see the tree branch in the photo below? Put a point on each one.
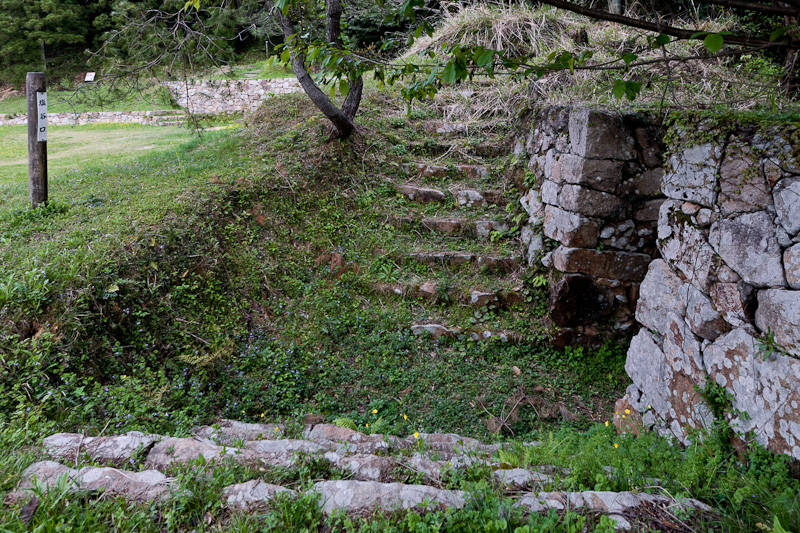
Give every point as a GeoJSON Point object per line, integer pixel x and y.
{"type": "Point", "coordinates": [770, 9]}
{"type": "Point", "coordinates": [654, 26]}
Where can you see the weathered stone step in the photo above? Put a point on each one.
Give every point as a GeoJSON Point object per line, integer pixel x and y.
{"type": "Point", "coordinates": [145, 486]}
{"type": "Point", "coordinates": [619, 506]}
{"type": "Point", "coordinates": [456, 127]}
{"type": "Point", "coordinates": [456, 227]}
{"type": "Point", "coordinates": [426, 170]}
{"type": "Point", "coordinates": [363, 497]}
{"type": "Point", "coordinates": [171, 123]}
{"type": "Point", "coordinates": [453, 258]}
{"type": "Point", "coordinates": [438, 148]}
{"type": "Point", "coordinates": [438, 331]}
{"type": "Point", "coordinates": [431, 290]}
{"type": "Point", "coordinates": [461, 196]}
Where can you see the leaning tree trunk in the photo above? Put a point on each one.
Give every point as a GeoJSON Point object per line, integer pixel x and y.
{"type": "Point", "coordinates": [342, 119]}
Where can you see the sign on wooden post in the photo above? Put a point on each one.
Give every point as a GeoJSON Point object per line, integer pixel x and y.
{"type": "Point", "coordinates": [36, 92]}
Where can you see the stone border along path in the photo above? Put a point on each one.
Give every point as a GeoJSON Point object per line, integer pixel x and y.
{"type": "Point", "coordinates": [368, 458]}
{"type": "Point", "coordinates": [213, 97]}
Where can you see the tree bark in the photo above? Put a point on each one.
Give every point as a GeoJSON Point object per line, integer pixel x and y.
{"type": "Point", "coordinates": [342, 123]}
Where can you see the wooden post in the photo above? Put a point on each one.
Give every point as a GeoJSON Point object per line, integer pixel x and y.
{"type": "Point", "coordinates": [36, 91]}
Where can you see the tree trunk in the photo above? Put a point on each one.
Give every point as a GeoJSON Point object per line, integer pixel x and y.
{"type": "Point", "coordinates": [342, 119]}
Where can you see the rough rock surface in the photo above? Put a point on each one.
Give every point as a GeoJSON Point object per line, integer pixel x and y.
{"type": "Point", "coordinates": [606, 264]}
{"type": "Point", "coordinates": [599, 135]}
{"type": "Point", "coordinates": [521, 478]}
{"type": "Point", "coordinates": [109, 449]}
{"type": "Point", "coordinates": [142, 486]}
{"type": "Point", "coordinates": [749, 245]}
{"type": "Point", "coordinates": [226, 432]}
{"type": "Point", "coordinates": [183, 450]}
{"type": "Point", "coordinates": [613, 504]}
{"type": "Point", "coordinates": [363, 497]}
{"type": "Point", "coordinates": [570, 229]}
{"type": "Point", "coordinates": [779, 312]}
{"type": "Point", "coordinates": [694, 175]}
{"type": "Point", "coordinates": [251, 495]}
{"type": "Point", "coordinates": [787, 203]}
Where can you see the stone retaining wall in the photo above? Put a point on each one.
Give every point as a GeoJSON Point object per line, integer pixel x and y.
{"type": "Point", "coordinates": [220, 96]}
{"type": "Point", "coordinates": [93, 117]}
{"type": "Point", "coordinates": [596, 193]}
{"type": "Point", "coordinates": [723, 304]}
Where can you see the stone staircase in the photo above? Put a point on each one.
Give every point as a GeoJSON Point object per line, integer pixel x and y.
{"type": "Point", "coordinates": [374, 469]}
{"type": "Point", "coordinates": [452, 216]}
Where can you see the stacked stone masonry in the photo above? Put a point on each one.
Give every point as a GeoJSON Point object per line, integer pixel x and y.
{"type": "Point", "coordinates": [97, 117]}
{"type": "Point", "coordinates": [722, 305]}
{"type": "Point", "coordinates": [225, 96]}
{"type": "Point", "coordinates": [596, 193]}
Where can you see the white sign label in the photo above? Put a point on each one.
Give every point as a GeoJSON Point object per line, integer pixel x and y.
{"type": "Point", "coordinates": [41, 111]}
{"type": "Point", "coordinates": [89, 76]}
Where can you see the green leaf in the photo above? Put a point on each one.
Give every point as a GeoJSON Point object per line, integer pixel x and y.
{"type": "Point", "coordinates": [714, 42]}
{"type": "Point", "coordinates": [449, 74]}
{"type": "Point", "coordinates": [663, 39]}
{"type": "Point", "coordinates": [484, 58]}
{"type": "Point", "coordinates": [344, 87]}
{"type": "Point", "coordinates": [283, 5]}
{"type": "Point", "coordinates": [619, 89]}
{"type": "Point", "coordinates": [629, 58]}
{"type": "Point", "coordinates": [777, 34]}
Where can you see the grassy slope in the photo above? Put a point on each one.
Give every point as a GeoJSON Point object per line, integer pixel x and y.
{"type": "Point", "coordinates": [182, 286]}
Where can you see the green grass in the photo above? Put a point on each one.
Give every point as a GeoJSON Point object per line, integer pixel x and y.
{"type": "Point", "coordinates": [74, 147]}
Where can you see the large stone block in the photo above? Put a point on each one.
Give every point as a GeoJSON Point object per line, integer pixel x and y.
{"type": "Point", "coordinates": [704, 320]}
{"type": "Point", "coordinates": [693, 175]}
{"type": "Point", "coordinates": [791, 265]}
{"type": "Point", "coordinates": [599, 174]}
{"type": "Point", "coordinates": [765, 392]}
{"type": "Point", "coordinates": [623, 266]}
{"type": "Point", "coordinates": [600, 135]}
{"type": "Point", "coordinates": [666, 378]}
{"type": "Point", "coordinates": [550, 191]}
{"type": "Point", "coordinates": [779, 312]}
{"type": "Point", "coordinates": [733, 301]}
{"type": "Point", "coordinates": [684, 245]}
{"type": "Point", "coordinates": [661, 291]}
{"type": "Point", "coordinates": [569, 229]}
{"type": "Point", "coordinates": [787, 203]}
{"type": "Point", "coordinates": [749, 245]}
{"type": "Point", "coordinates": [588, 201]}
{"type": "Point", "coordinates": [743, 187]}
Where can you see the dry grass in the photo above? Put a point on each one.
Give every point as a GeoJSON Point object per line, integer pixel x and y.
{"type": "Point", "coordinates": [748, 82]}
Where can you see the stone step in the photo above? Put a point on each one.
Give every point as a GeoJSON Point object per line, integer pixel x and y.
{"type": "Point", "coordinates": [438, 331]}
{"type": "Point", "coordinates": [427, 170]}
{"type": "Point", "coordinates": [171, 123]}
{"type": "Point", "coordinates": [438, 148]}
{"type": "Point", "coordinates": [432, 291]}
{"type": "Point", "coordinates": [480, 229]}
{"type": "Point", "coordinates": [461, 195]}
{"type": "Point", "coordinates": [455, 258]}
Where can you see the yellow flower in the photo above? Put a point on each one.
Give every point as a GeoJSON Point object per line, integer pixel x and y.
{"type": "Point", "coordinates": [367, 424]}
{"type": "Point", "coordinates": [616, 445]}
{"type": "Point", "coordinates": [416, 434]}
{"type": "Point", "coordinates": [277, 428]}
{"type": "Point", "coordinates": [627, 411]}
{"type": "Point", "coordinates": [649, 406]}
{"type": "Point", "coordinates": [623, 416]}
{"type": "Point", "coordinates": [262, 415]}
{"type": "Point", "coordinates": [374, 411]}
{"type": "Point", "coordinates": [606, 423]}
{"type": "Point", "coordinates": [405, 417]}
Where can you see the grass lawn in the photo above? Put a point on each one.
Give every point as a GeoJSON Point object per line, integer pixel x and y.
{"type": "Point", "coordinates": [75, 147]}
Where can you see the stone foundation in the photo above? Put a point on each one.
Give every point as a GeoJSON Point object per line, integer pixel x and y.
{"type": "Point", "coordinates": [723, 304]}
{"type": "Point", "coordinates": [596, 193]}
{"type": "Point", "coordinates": [224, 96]}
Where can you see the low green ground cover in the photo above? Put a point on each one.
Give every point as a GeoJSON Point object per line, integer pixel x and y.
{"type": "Point", "coordinates": [74, 147]}
{"type": "Point", "coordinates": [159, 292]}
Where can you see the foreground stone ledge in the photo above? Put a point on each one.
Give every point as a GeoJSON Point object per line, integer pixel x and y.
{"type": "Point", "coordinates": [364, 497]}
{"type": "Point", "coordinates": [624, 266]}
{"type": "Point", "coordinates": [149, 485]}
